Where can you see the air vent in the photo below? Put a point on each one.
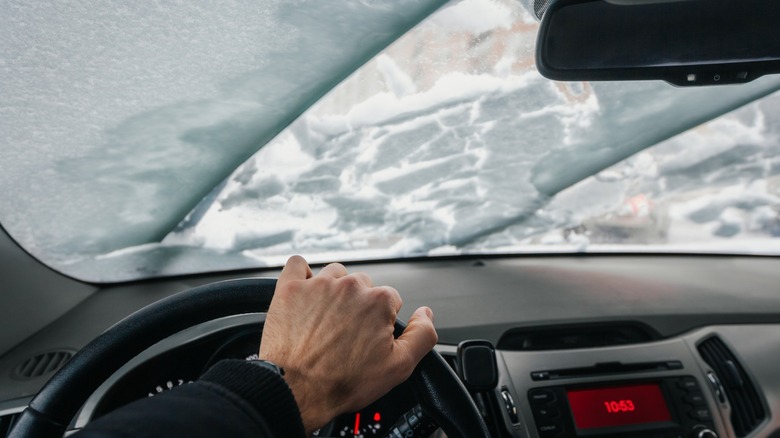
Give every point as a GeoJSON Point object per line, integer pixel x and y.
{"type": "Point", "coordinates": [42, 364]}
{"type": "Point", "coordinates": [566, 337]}
{"type": "Point", "coordinates": [747, 411]}
{"type": "Point", "coordinates": [451, 360]}
{"type": "Point", "coordinates": [7, 422]}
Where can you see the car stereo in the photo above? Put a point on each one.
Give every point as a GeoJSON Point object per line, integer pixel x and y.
{"type": "Point", "coordinates": [671, 407]}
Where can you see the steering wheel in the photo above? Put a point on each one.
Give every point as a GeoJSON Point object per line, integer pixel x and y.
{"type": "Point", "coordinates": [439, 391]}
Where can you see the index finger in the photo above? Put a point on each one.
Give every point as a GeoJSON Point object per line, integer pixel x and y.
{"type": "Point", "coordinates": [335, 270]}
{"type": "Point", "coordinates": [296, 269]}
{"type": "Point", "coordinates": [416, 341]}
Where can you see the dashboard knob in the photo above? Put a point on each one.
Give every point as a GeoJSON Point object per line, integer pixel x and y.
{"type": "Point", "coordinates": [704, 433]}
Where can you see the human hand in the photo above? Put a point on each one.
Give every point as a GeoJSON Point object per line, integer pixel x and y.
{"type": "Point", "coordinates": [333, 335]}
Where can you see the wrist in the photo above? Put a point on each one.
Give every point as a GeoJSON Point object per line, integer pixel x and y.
{"type": "Point", "coordinates": [267, 365]}
{"type": "Point", "coordinates": [314, 406]}
{"type": "Point", "coordinates": [263, 389]}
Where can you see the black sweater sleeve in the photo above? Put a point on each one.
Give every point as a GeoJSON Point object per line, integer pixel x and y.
{"type": "Point", "coordinates": [234, 398]}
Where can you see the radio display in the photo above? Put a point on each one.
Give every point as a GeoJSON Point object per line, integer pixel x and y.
{"type": "Point", "coordinates": [615, 406]}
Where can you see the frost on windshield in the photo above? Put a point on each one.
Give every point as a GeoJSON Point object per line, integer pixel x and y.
{"type": "Point", "coordinates": [451, 142]}
{"type": "Point", "coordinates": [119, 117]}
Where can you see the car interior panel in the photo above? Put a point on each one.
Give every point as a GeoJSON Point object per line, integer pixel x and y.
{"type": "Point", "coordinates": [585, 192]}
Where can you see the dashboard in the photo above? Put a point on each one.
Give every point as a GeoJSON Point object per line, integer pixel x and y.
{"type": "Point", "coordinates": [552, 382]}
{"type": "Point", "coordinates": [592, 346]}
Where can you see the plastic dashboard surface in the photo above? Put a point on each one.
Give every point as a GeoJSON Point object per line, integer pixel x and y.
{"type": "Point", "coordinates": [683, 298]}
{"type": "Point", "coordinates": [757, 347]}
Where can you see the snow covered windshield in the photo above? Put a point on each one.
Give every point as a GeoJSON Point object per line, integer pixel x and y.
{"type": "Point", "coordinates": [447, 142]}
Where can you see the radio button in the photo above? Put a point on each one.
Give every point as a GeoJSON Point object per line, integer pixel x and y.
{"type": "Point", "coordinates": [705, 433]}
{"type": "Point", "coordinates": [550, 430]}
{"type": "Point", "coordinates": [688, 384]}
{"type": "Point", "coordinates": [695, 399]}
{"type": "Point", "coordinates": [702, 414]}
{"type": "Point", "coordinates": [541, 396]}
{"type": "Point", "coordinates": [546, 412]}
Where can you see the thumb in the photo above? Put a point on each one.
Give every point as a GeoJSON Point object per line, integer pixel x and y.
{"type": "Point", "coordinates": [417, 340]}
{"type": "Point", "coordinates": [295, 269]}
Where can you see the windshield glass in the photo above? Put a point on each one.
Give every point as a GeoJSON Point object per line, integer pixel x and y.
{"type": "Point", "coordinates": [450, 142]}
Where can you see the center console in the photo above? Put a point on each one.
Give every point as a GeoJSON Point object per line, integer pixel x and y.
{"type": "Point", "coordinates": [657, 389]}
{"type": "Point", "coordinates": [669, 407]}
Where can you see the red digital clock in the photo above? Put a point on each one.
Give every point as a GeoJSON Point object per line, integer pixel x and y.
{"type": "Point", "coordinates": [615, 406]}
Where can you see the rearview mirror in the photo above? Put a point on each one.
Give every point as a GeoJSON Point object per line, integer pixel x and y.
{"type": "Point", "coordinates": [685, 42]}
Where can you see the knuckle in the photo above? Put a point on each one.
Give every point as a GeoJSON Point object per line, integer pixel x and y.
{"type": "Point", "coordinates": [389, 293]}
{"type": "Point", "coordinates": [350, 283]}
{"type": "Point", "coordinates": [365, 278]}
{"type": "Point", "coordinates": [395, 295]}
{"type": "Point", "coordinates": [337, 267]}
{"type": "Point", "coordinates": [381, 294]}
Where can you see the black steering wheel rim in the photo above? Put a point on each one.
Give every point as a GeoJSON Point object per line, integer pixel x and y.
{"type": "Point", "coordinates": [438, 389]}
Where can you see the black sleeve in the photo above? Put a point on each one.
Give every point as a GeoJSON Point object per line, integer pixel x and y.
{"type": "Point", "coordinates": [234, 398]}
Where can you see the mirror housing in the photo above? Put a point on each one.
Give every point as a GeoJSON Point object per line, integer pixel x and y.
{"type": "Point", "coordinates": [684, 42]}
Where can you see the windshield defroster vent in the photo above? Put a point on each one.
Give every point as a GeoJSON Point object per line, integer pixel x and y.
{"type": "Point", "coordinates": [571, 336]}
{"type": "Point", "coordinates": [41, 364]}
{"type": "Point", "coordinates": [747, 411]}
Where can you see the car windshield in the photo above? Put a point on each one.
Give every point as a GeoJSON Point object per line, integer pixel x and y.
{"type": "Point", "coordinates": [447, 142]}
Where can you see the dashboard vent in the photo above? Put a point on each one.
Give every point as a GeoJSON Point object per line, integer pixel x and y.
{"type": "Point", "coordinates": [7, 422]}
{"type": "Point", "coordinates": [451, 360]}
{"type": "Point", "coordinates": [747, 411]}
{"type": "Point", "coordinates": [566, 337]}
{"type": "Point", "coordinates": [42, 364]}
